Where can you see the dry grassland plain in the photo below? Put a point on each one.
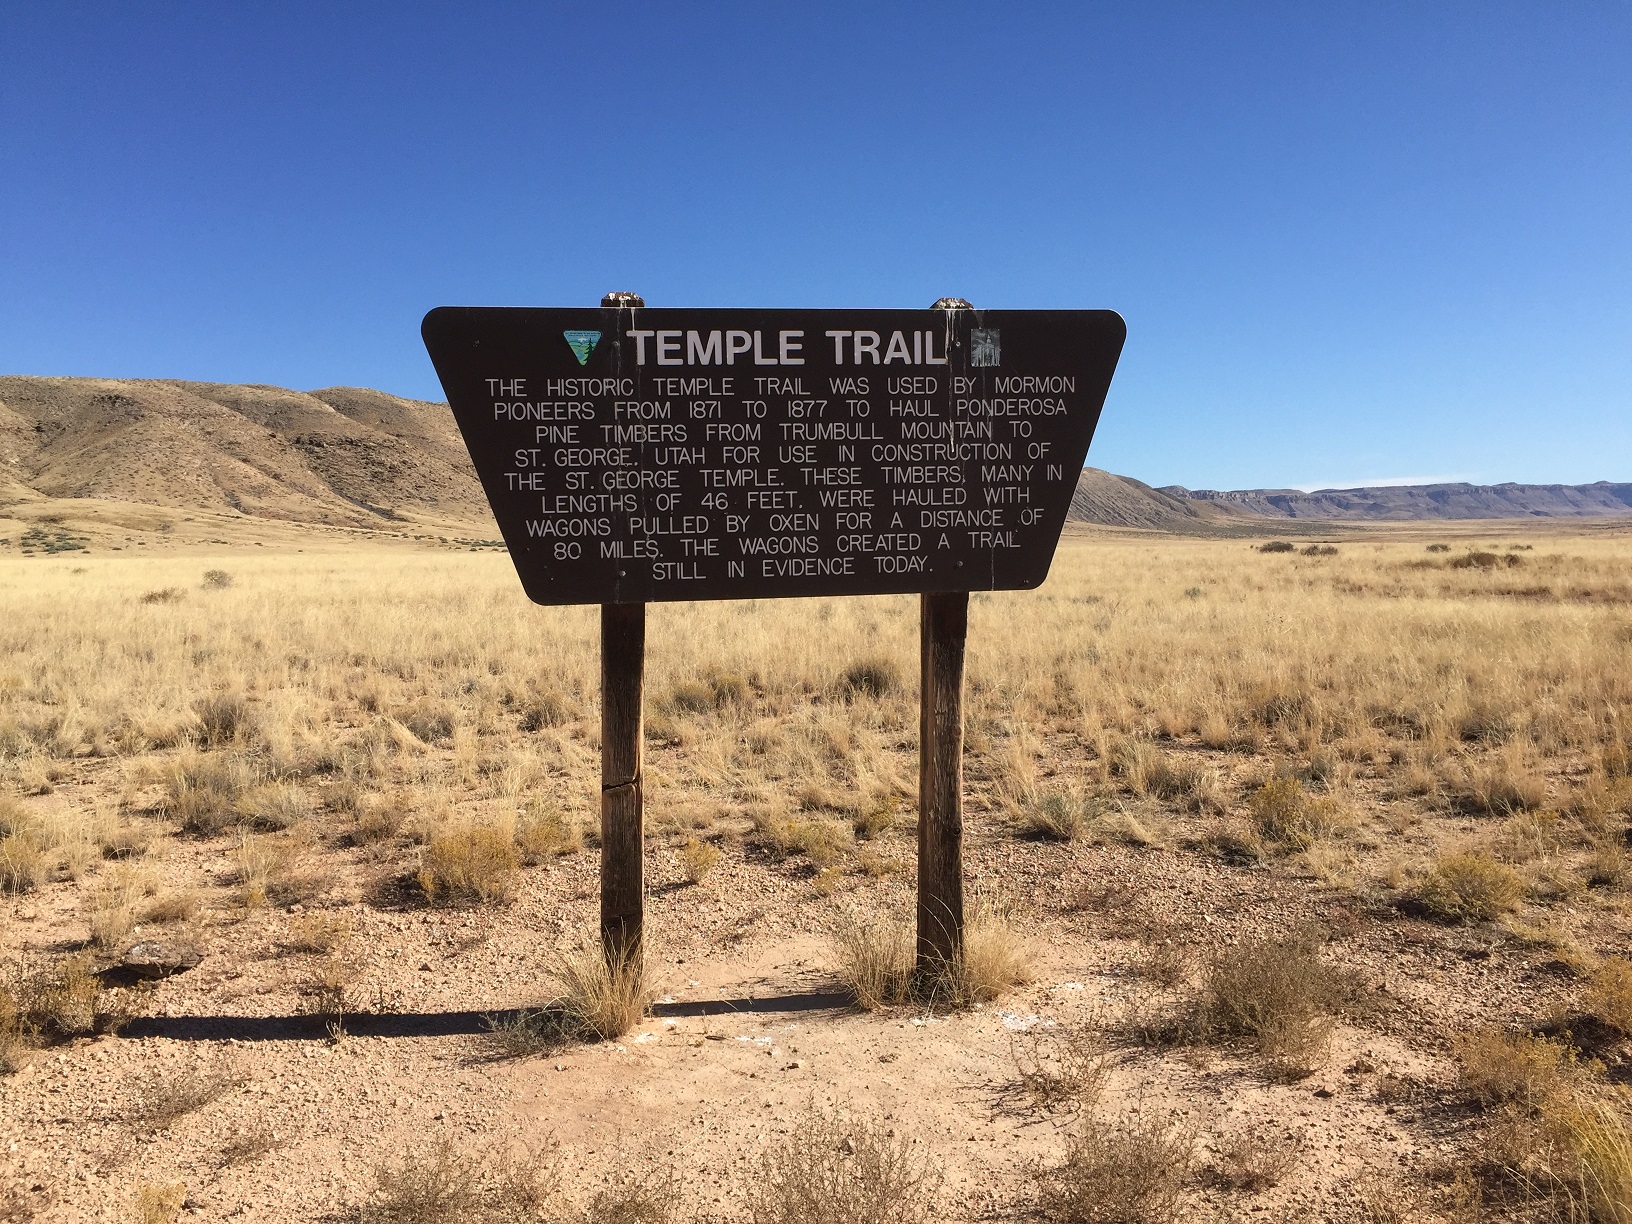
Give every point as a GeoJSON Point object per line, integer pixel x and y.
{"type": "Point", "coordinates": [1301, 874]}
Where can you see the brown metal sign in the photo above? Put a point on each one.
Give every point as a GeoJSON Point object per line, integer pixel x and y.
{"type": "Point", "coordinates": [636, 455]}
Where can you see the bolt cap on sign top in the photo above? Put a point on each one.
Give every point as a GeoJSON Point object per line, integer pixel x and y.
{"type": "Point", "coordinates": [634, 455]}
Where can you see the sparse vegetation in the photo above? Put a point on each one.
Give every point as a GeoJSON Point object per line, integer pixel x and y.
{"type": "Point", "coordinates": [1116, 1173]}
{"type": "Point", "coordinates": [163, 1098]}
{"type": "Point", "coordinates": [842, 1168]}
{"type": "Point", "coordinates": [698, 858]}
{"type": "Point", "coordinates": [1277, 996]}
{"type": "Point", "coordinates": [473, 862]}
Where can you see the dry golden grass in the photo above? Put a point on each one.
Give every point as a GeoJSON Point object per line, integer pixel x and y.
{"type": "Point", "coordinates": [159, 1202]}
{"type": "Point", "coordinates": [1470, 886]}
{"type": "Point", "coordinates": [475, 862]}
{"type": "Point", "coordinates": [1608, 997]}
{"type": "Point", "coordinates": [876, 956]}
{"type": "Point", "coordinates": [599, 1000]}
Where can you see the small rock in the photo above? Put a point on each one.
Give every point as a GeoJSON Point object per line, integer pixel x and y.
{"type": "Point", "coordinates": [159, 958]}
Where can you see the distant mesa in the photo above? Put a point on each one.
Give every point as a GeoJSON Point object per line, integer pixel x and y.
{"type": "Point", "coordinates": [1407, 503]}
{"type": "Point", "coordinates": [352, 458]}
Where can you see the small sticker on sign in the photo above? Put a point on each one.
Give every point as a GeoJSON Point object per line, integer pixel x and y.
{"type": "Point", "coordinates": [984, 348]}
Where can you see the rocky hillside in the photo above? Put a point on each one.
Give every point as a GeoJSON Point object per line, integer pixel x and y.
{"type": "Point", "coordinates": [342, 456]}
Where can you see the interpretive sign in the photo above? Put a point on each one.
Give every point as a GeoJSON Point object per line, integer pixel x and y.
{"type": "Point", "coordinates": [634, 455]}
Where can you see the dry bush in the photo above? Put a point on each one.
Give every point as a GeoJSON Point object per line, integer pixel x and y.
{"type": "Point", "coordinates": [876, 954]}
{"type": "Point", "coordinates": [224, 718]}
{"type": "Point", "coordinates": [178, 905]}
{"type": "Point", "coordinates": [525, 1032]}
{"type": "Point", "coordinates": [375, 818]}
{"type": "Point", "coordinates": [995, 959]}
{"type": "Point", "coordinates": [1277, 546]}
{"type": "Point", "coordinates": [429, 721]}
{"type": "Point", "coordinates": [600, 1000]}
{"type": "Point", "coordinates": [23, 864]}
{"type": "Point", "coordinates": [248, 1145]}
{"type": "Point", "coordinates": [470, 863]}
{"type": "Point", "coordinates": [160, 1100]}
{"type": "Point", "coordinates": [159, 1202]}
{"type": "Point", "coordinates": [1469, 886]}
{"type": "Point", "coordinates": [320, 931]}
{"type": "Point", "coordinates": [1497, 1067]}
{"type": "Point", "coordinates": [1608, 997]}
{"type": "Point", "coordinates": [1277, 996]}
{"type": "Point", "coordinates": [439, 1186]}
{"type": "Point", "coordinates": [873, 677]}
{"type": "Point", "coordinates": [698, 858]}
{"type": "Point", "coordinates": [206, 791]}
{"type": "Point", "coordinates": [216, 580]}
{"type": "Point", "coordinates": [1127, 1173]}
{"type": "Point", "coordinates": [877, 961]}
{"type": "Point", "coordinates": [544, 832]}
{"type": "Point", "coordinates": [1166, 950]}
{"type": "Point", "coordinates": [274, 808]}
{"type": "Point", "coordinates": [165, 595]}
{"type": "Point", "coordinates": [259, 863]}
{"type": "Point", "coordinates": [1059, 817]}
{"type": "Point", "coordinates": [1061, 1069]}
{"type": "Point", "coordinates": [836, 1168]}
{"type": "Point", "coordinates": [1501, 787]}
{"type": "Point", "coordinates": [113, 910]}
{"type": "Point", "coordinates": [633, 1197]}
{"type": "Point", "coordinates": [1288, 816]}
{"type": "Point", "coordinates": [876, 815]}
{"type": "Point", "coordinates": [329, 989]}
{"type": "Point", "coordinates": [1254, 1160]}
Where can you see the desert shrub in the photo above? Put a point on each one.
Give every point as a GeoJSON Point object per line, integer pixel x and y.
{"type": "Point", "coordinates": [1060, 1069]}
{"type": "Point", "coordinates": [1059, 817]}
{"type": "Point", "coordinates": [24, 866]}
{"type": "Point", "coordinates": [1253, 1160]}
{"type": "Point", "coordinates": [1497, 1067]}
{"type": "Point", "coordinates": [1501, 787]}
{"type": "Point", "coordinates": [871, 677]}
{"type": "Point", "coordinates": [376, 818]}
{"type": "Point", "coordinates": [223, 718]}
{"type": "Point", "coordinates": [835, 1168]}
{"type": "Point", "coordinates": [1277, 546]}
{"type": "Point", "coordinates": [1277, 996]}
{"type": "Point", "coordinates": [1320, 550]}
{"type": "Point", "coordinates": [56, 1001]}
{"type": "Point", "coordinates": [1484, 560]}
{"type": "Point", "coordinates": [206, 792]}
{"type": "Point", "coordinates": [279, 806]}
{"type": "Point", "coordinates": [178, 905]}
{"type": "Point", "coordinates": [1469, 886]}
{"type": "Point", "coordinates": [168, 595]}
{"type": "Point", "coordinates": [698, 859]}
{"type": "Point", "coordinates": [1128, 1173]}
{"type": "Point", "coordinates": [876, 816]}
{"type": "Point", "coordinates": [601, 997]}
{"type": "Point", "coordinates": [429, 720]}
{"type": "Point", "coordinates": [468, 863]}
{"type": "Point", "coordinates": [329, 990]}
{"type": "Point", "coordinates": [1288, 816]}
{"type": "Point", "coordinates": [217, 580]}
{"type": "Point", "coordinates": [544, 710]}
{"type": "Point", "coordinates": [1439, 548]}
{"type": "Point", "coordinates": [544, 832]}
{"type": "Point", "coordinates": [995, 959]}
{"type": "Point", "coordinates": [163, 1098]}
{"type": "Point", "coordinates": [436, 1186]}
{"type": "Point", "coordinates": [159, 1202]}
{"type": "Point", "coordinates": [877, 961]}
{"type": "Point", "coordinates": [712, 692]}
{"type": "Point", "coordinates": [1608, 996]}
{"type": "Point", "coordinates": [876, 955]}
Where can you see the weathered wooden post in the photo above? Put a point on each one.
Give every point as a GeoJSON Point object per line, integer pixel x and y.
{"type": "Point", "coordinates": [623, 805]}
{"type": "Point", "coordinates": [943, 629]}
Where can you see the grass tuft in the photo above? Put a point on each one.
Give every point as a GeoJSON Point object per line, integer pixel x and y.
{"type": "Point", "coordinates": [1470, 886]}
{"type": "Point", "coordinates": [468, 863]}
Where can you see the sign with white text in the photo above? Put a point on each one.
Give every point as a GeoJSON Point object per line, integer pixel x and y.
{"type": "Point", "coordinates": [634, 455]}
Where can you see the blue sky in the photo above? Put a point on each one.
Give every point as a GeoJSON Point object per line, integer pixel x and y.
{"type": "Point", "coordinates": [1353, 243]}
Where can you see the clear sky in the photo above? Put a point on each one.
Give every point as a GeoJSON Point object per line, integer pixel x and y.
{"type": "Point", "coordinates": [1353, 242]}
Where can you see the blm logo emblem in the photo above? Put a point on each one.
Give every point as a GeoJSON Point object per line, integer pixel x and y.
{"type": "Point", "coordinates": [582, 344]}
{"type": "Point", "coordinates": [983, 346]}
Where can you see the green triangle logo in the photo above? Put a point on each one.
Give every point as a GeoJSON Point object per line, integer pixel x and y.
{"type": "Point", "coordinates": [582, 344]}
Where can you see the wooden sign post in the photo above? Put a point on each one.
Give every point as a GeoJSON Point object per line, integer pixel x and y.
{"type": "Point", "coordinates": [623, 750]}
{"type": "Point", "coordinates": [634, 455]}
